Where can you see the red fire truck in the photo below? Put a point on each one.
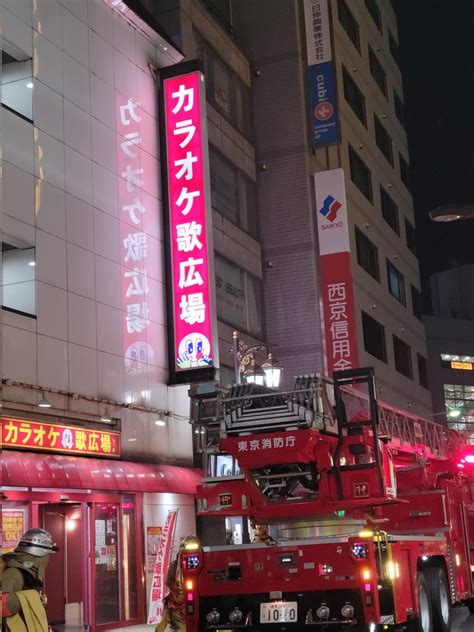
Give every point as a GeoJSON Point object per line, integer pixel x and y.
{"type": "Point", "coordinates": [362, 515]}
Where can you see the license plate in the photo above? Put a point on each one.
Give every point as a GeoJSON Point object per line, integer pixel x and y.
{"type": "Point", "coordinates": [279, 612]}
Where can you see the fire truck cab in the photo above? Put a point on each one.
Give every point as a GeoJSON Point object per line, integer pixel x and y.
{"type": "Point", "coordinates": [361, 516]}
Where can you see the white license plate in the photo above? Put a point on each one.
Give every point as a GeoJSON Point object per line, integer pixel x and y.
{"type": "Point", "coordinates": [278, 612]}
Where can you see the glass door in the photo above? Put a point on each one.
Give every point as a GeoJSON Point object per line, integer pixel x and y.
{"type": "Point", "coordinates": [107, 565]}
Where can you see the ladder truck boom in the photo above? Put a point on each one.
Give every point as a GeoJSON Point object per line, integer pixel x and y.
{"type": "Point", "coordinates": [362, 514]}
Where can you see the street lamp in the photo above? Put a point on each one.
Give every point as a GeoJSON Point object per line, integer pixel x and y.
{"type": "Point", "coordinates": [246, 366]}
{"type": "Point", "coordinates": [452, 212]}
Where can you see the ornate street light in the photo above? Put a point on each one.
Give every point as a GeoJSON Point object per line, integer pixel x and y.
{"type": "Point", "coordinates": [246, 367]}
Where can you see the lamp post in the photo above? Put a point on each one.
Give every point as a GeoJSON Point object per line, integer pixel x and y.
{"type": "Point", "coordinates": [246, 366]}
{"type": "Point", "coordinates": [452, 212]}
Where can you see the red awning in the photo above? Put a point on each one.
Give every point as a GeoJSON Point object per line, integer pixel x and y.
{"type": "Point", "coordinates": [26, 469]}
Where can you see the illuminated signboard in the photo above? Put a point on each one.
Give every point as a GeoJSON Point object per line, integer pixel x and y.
{"type": "Point", "coordinates": [39, 435]}
{"type": "Point", "coordinates": [191, 285]}
{"type": "Point", "coordinates": [463, 366]}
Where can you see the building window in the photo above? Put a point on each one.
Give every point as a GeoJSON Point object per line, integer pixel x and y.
{"type": "Point", "coordinates": [224, 89]}
{"type": "Point", "coordinates": [396, 283]}
{"type": "Point", "coordinates": [374, 11]}
{"type": "Point", "coordinates": [367, 255]}
{"type": "Point", "coordinates": [374, 337]}
{"type": "Point", "coordinates": [404, 171]}
{"type": "Point", "coordinates": [354, 96]}
{"type": "Point", "coordinates": [383, 140]}
{"type": "Point", "coordinates": [410, 235]}
{"type": "Point", "coordinates": [17, 83]}
{"type": "Point", "coordinates": [399, 108]}
{"type": "Point", "coordinates": [402, 354]}
{"type": "Point", "coordinates": [389, 211]}
{"type": "Point", "coordinates": [239, 297]}
{"type": "Point", "coordinates": [416, 303]}
{"type": "Point", "coordinates": [221, 10]}
{"type": "Point", "coordinates": [19, 279]}
{"type": "Point", "coordinates": [360, 174]}
{"type": "Point", "coordinates": [459, 402]}
{"type": "Point", "coordinates": [394, 49]}
{"type": "Point", "coordinates": [349, 23]}
{"type": "Point", "coordinates": [232, 193]}
{"type": "Point", "coordinates": [422, 370]}
{"type": "Point", "coordinates": [377, 72]}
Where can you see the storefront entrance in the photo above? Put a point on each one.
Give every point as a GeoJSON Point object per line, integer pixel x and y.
{"type": "Point", "coordinates": [64, 581]}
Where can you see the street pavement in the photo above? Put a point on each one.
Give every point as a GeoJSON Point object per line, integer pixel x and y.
{"type": "Point", "coordinates": [462, 622]}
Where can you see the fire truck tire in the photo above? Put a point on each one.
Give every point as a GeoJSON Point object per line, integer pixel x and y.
{"type": "Point", "coordinates": [438, 590]}
{"type": "Point", "coordinates": [425, 616]}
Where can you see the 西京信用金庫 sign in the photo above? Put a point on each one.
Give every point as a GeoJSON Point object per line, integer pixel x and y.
{"type": "Point", "coordinates": [190, 267]}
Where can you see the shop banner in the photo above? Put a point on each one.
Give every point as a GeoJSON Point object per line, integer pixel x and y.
{"type": "Point", "coordinates": [321, 74]}
{"type": "Point", "coordinates": [13, 527]}
{"type": "Point", "coordinates": [191, 285]}
{"type": "Point", "coordinates": [336, 275]}
{"type": "Point", "coordinates": [158, 586]}
{"type": "Point", "coordinates": [39, 435]}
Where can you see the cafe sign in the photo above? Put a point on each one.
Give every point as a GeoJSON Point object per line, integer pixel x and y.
{"type": "Point", "coordinates": [39, 435]}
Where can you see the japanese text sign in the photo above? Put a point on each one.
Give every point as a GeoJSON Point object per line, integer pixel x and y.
{"type": "Point", "coordinates": [190, 228]}
{"type": "Point", "coordinates": [39, 435]}
{"type": "Point", "coordinates": [13, 527]}
{"type": "Point", "coordinates": [321, 74]}
{"type": "Point", "coordinates": [163, 554]}
{"type": "Point", "coordinates": [336, 275]}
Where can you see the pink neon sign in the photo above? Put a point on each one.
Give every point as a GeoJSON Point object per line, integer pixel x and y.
{"type": "Point", "coordinates": [187, 191]}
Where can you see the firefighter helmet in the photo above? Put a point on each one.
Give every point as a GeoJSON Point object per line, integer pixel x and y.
{"type": "Point", "coordinates": [36, 542]}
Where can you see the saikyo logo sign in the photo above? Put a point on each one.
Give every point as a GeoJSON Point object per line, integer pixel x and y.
{"type": "Point", "coordinates": [336, 276]}
{"type": "Point", "coordinates": [330, 208]}
{"type": "Point", "coordinates": [191, 274]}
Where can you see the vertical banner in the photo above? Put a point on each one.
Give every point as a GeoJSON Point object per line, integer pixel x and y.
{"type": "Point", "coordinates": [336, 275]}
{"type": "Point", "coordinates": [321, 74]}
{"type": "Point", "coordinates": [158, 585]}
{"type": "Point", "coordinates": [193, 353]}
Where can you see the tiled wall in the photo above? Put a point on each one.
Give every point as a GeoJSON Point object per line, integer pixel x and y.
{"type": "Point", "coordinates": [62, 193]}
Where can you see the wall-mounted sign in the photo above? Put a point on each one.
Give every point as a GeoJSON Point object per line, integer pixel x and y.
{"type": "Point", "coordinates": [321, 74]}
{"type": "Point", "coordinates": [336, 275]}
{"type": "Point", "coordinates": [191, 285]}
{"type": "Point", "coordinates": [13, 527]}
{"type": "Point", "coordinates": [463, 366]}
{"type": "Point", "coordinates": [39, 435]}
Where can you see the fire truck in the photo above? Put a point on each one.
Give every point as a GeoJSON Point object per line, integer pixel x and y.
{"type": "Point", "coordinates": [361, 515]}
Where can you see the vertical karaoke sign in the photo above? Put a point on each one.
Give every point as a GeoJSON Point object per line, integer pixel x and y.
{"type": "Point", "coordinates": [321, 74]}
{"type": "Point", "coordinates": [188, 221]}
{"type": "Point", "coordinates": [336, 275]}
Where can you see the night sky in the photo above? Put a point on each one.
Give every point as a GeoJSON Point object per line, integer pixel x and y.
{"type": "Point", "coordinates": [437, 57]}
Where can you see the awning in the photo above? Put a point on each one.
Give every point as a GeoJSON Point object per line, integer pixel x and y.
{"type": "Point", "coordinates": [26, 469]}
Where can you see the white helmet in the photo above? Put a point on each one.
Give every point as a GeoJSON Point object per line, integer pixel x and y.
{"type": "Point", "coordinates": [36, 542]}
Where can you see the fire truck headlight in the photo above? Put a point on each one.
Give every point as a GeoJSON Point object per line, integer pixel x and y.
{"type": "Point", "coordinates": [323, 612]}
{"type": "Point", "coordinates": [213, 617]}
{"type": "Point", "coordinates": [347, 611]}
{"type": "Point", "coordinates": [236, 616]}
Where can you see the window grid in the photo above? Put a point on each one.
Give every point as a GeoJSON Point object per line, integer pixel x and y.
{"type": "Point", "coordinates": [404, 171]}
{"type": "Point", "coordinates": [402, 355]}
{"type": "Point", "coordinates": [377, 72]}
{"type": "Point", "coordinates": [354, 96]}
{"type": "Point", "coordinates": [396, 283]}
{"type": "Point", "coordinates": [422, 370]}
{"type": "Point", "coordinates": [410, 236]}
{"type": "Point", "coordinates": [374, 11]}
{"type": "Point", "coordinates": [367, 255]}
{"type": "Point", "coordinates": [383, 140]}
{"type": "Point", "coordinates": [360, 174]}
{"type": "Point", "coordinates": [349, 23]}
{"type": "Point", "coordinates": [389, 211]}
{"type": "Point", "coordinates": [416, 303]}
{"type": "Point", "coordinates": [374, 337]}
{"type": "Point", "coordinates": [399, 108]}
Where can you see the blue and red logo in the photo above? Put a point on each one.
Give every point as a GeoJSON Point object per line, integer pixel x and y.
{"type": "Point", "coordinates": [330, 208]}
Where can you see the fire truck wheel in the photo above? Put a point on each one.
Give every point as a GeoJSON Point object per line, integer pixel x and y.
{"type": "Point", "coordinates": [438, 590]}
{"type": "Point", "coordinates": [425, 617]}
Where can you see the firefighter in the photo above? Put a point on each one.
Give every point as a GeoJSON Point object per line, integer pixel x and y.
{"type": "Point", "coordinates": [174, 613]}
{"type": "Point", "coordinates": [22, 583]}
